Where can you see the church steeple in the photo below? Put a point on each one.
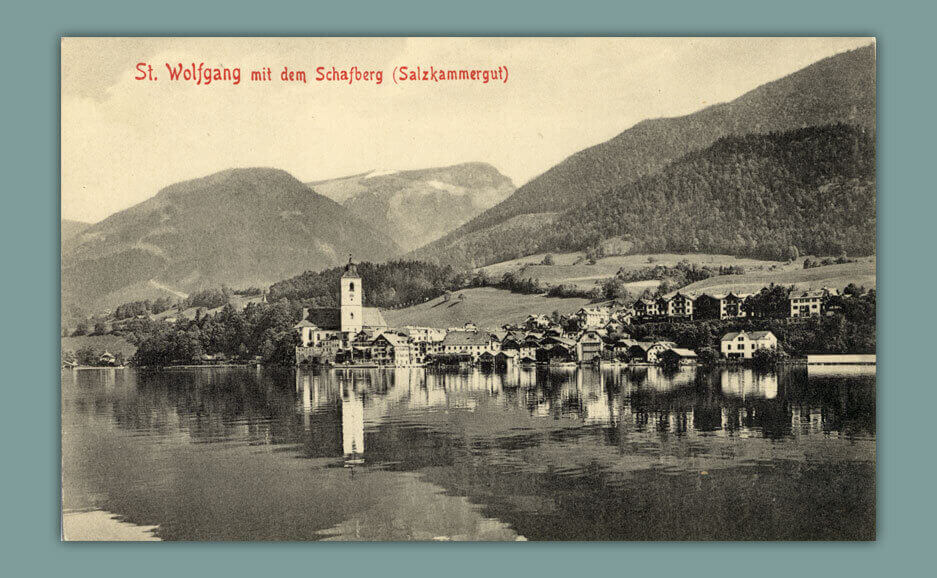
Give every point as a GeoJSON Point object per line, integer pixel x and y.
{"type": "Point", "coordinates": [351, 270]}
{"type": "Point", "coordinates": [352, 298]}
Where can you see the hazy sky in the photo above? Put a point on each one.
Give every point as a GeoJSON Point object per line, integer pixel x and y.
{"type": "Point", "coordinates": [123, 139]}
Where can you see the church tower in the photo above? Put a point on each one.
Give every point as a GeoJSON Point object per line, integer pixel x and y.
{"type": "Point", "coordinates": [351, 300]}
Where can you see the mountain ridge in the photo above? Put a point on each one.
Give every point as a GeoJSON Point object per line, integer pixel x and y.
{"type": "Point", "coordinates": [840, 88]}
{"type": "Point", "coordinates": [418, 206]}
{"type": "Point", "coordinates": [238, 227]}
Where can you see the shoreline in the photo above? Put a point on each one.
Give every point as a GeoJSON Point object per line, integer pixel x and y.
{"type": "Point", "coordinates": [103, 526]}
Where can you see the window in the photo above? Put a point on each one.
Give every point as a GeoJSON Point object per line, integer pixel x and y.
{"type": "Point", "coordinates": [351, 286]}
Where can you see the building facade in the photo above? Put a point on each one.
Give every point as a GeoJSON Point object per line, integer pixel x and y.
{"type": "Point", "coordinates": [743, 344]}
{"type": "Point", "coordinates": [807, 303]}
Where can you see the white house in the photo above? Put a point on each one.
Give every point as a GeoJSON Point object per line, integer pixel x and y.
{"type": "Point", "coordinates": [743, 344]}
{"type": "Point", "coordinates": [592, 317]}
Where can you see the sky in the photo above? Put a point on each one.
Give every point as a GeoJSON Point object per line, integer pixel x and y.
{"type": "Point", "coordinates": [124, 139]}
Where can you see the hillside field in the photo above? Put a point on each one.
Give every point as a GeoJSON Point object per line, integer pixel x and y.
{"type": "Point", "coordinates": [239, 302]}
{"type": "Point", "coordinates": [487, 307]}
{"type": "Point", "coordinates": [113, 343]}
{"type": "Point", "coordinates": [861, 273]}
{"type": "Point", "coordinates": [573, 269]}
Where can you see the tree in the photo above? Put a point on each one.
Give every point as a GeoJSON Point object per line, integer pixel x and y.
{"type": "Point", "coordinates": [772, 301]}
{"type": "Point", "coordinates": [87, 356]}
{"type": "Point", "coordinates": [81, 329]}
{"type": "Point", "coordinates": [768, 357]}
{"type": "Point", "coordinates": [707, 355]}
{"type": "Point", "coordinates": [547, 259]}
{"type": "Point", "coordinates": [853, 290]}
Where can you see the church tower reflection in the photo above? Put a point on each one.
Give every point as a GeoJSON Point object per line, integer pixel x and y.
{"type": "Point", "coordinates": [352, 426]}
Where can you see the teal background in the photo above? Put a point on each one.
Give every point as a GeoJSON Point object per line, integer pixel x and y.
{"type": "Point", "coordinates": [30, 240]}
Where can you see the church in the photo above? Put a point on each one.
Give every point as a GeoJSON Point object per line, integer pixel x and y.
{"type": "Point", "coordinates": [334, 328]}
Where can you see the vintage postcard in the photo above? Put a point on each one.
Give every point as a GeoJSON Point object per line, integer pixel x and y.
{"type": "Point", "coordinates": [388, 289]}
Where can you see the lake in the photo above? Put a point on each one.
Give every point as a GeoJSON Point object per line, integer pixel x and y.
{"type": "Point", "coordinates": [530, 454]}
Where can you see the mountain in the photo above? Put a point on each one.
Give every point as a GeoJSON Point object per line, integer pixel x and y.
{"type": "Point", "coordinates": [838, 89]}
{"type": "Point", "coordinates": [240, 227]}
{"type": "Point", "coordinates": [420, 206]}
{"type": "Point", "coordinates": [773, 196]}
{"type": "Point", "coordinates": [71, 228]}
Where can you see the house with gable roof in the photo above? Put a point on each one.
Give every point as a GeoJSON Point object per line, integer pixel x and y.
{"type": "Point", "coordinates": [743, 344]}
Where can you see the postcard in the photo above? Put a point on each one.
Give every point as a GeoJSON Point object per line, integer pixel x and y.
{"type": "Point", "coordinates": [468, 288]}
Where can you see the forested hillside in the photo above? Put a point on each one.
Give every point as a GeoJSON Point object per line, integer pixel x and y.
{"type": "Point", "coordinates": [809, 191]}
{"type": "Point", "coordinates": [768, 196]}
{"type": "Point", "coordinates": [388, 285]}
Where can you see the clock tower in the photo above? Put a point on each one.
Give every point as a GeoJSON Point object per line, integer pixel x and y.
{"type": "Point", "coordinates": [352, 299]}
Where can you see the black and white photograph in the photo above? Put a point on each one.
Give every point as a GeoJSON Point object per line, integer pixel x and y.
{"type": "Point", "coordinates": [468, 289]}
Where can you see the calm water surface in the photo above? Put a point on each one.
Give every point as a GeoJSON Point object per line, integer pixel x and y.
{"type": "Point", "coordinates": [412, 454]}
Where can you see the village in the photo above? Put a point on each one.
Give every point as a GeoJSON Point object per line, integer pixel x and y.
{"type": "Point", "coordinates": [354, 335]}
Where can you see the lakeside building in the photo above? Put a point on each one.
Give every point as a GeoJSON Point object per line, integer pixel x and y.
{"type": "Point", "coordinates": [743, 344]}
{"type": "Point", "coordinates": [649, 352]}
{"type": "Point", "coordinates": [678, 356]}
{"type": "Point", "coordinates": [589, 347]}
{"type": "Point", "coordinates": [469, 344]}
{"type": "Point", "coordinates": [841, 359]}
{"type": "Point", "coordinates": [391, 349]}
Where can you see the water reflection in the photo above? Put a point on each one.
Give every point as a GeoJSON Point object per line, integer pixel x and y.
{"type": "Point", "coordinates": [538, 452]}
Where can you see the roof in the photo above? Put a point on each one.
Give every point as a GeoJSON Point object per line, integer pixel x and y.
{"type": "Point", "coordinates": [645, 345]}
{"type": "Point", "coordinates": [559, 340]}
{"type": "Point", "coordinates": [737, 295]}
{"type": "Point", "coordinates": [683, 352]}
{"type": "Point", "coordinates": [753, 335]}
{"type": "Point", "coordinates": [372, 317]}
{"type": "Point", "coordinates": [587, 334]}
{"type": "Point", "coordinates": [458, 338]}
{"type": "Point", "coordinates": [393, 339]}
{"type": "Point", "coordinates": [594, 310]}
{"type": "Point", "coordinates": [327, 318]}
{"type": "Point", "coordinates": [810, 294]}
{"type": "Point", "coordinates": [305, 323]}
